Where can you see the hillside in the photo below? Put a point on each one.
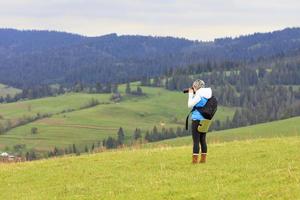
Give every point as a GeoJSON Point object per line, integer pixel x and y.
{"type": "Point", "coordinates": [43, 57]}
{"type": "Point", "coordinates": [72, 125]}
{"type": "Point", "coordinates": [7, 90]}
{"type": "Point", "coordinates": [258, 169]}
{"type": "Point", "coordinates": [280, 129]}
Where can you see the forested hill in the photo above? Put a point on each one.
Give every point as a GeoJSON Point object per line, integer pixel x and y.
{"type": "Point", "coordinates": [42, 57]}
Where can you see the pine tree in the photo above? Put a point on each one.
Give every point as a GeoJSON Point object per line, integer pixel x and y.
{"type": "Point", "coordinates": [55, 151]}
{"type": "Point", "coordinates": [98, 88]}
{"type": "Point", "coordinates": [137, 134]}
{"type": "Point", "coordinates": [61, 90]}
{"type": "Point", "coordinates": [121, 136]}
{"type": "Point", "coordinates": [139, 91]}
{"type": "Point", "coordinates": [111, 143]}
{"type": "Point", "coordinates": [148, 137]}
{"type": "Point", "coordinates": [74, 150]}
{"type": "Point", "coordinates": [86, 149]}
{"type": "Point", "coordinates": [27, 156]}
{"type": "Point", "coordinates": [128, 89]}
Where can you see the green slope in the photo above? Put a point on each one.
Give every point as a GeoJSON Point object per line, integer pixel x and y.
{"type": "Point", "coordinates": [57, 104]}
{"type": "Point", "coordinates": [257, 169]}
{"type": "Point", "coordinates": [159, 107]}
{"type": "Point", "coordinates": [7, 90]}
{"type": "Point", "coordinates": [281, 128]}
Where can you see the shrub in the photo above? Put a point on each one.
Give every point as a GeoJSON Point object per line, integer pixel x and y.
{"type": "Point", "coordinates": [34, 130]}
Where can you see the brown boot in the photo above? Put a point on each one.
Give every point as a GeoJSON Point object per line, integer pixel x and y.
{"type": "Point", "coordinates": [203, 158]}
{"type": "Point", "coordinates": [195, 158]}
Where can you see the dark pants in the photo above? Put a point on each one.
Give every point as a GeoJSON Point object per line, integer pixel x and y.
{"type": "Point", "coordinates": [198, 137]}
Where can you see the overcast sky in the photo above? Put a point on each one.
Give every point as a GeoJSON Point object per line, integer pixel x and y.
{"type": "Point", "coordinates": [192, 19]}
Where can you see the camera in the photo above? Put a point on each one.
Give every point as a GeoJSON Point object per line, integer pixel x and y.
{"type": "Point", "coordinates": [187, 90]}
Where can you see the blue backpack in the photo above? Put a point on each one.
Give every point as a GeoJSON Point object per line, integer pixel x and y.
{"type": "Point", "coordinates": [207, 111]}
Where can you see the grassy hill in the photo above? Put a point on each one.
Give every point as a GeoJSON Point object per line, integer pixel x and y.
{"type": "Point", "coordinates": [281, 128]}
{"type": "Point", "coordinates": [7, 90]}
{"type": "Point", "coordinates": [256, 169]}
{"type": "Point", "coordinates": [14, 111]}
{"type": "Point", "coordinates": [158, 107]}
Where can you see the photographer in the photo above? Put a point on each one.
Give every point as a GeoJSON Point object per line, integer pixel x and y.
{"type": "Point", "coordinates": [198, 97]}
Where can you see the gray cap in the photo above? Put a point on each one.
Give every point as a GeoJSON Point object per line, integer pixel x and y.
{"type": "Point", "coordinates": [198, 84]}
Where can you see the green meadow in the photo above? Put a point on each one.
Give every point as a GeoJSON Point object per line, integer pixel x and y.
{"type": "Point", "coordinates": [158, 107]}
{"type": "Point", "coordinates": [50, 105]}
{"type": "Point", "coordinates": [7, 90]}
{"type": "Point", "coordinates": [251, 169]}
{"type": "Point", "coordinates": [254, 162]}
{"type": "Point", "coordinates": [279, 129]}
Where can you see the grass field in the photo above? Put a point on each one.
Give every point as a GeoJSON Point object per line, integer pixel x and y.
{"type": "Point", "coordinates": [253, 169]}
{"type": "Point", "coordinates": [159, 107]}
{"type": "Point", "coordinates": [7, 90]}
{"type": "Point", "coordinates": [281, 128]}
{"type": "Point", "coordinates": [48, 105]}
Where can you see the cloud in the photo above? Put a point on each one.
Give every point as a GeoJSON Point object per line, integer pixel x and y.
{"type": "Point", "coordinates": [195, 19]}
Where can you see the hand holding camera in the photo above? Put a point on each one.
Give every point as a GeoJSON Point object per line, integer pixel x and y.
{"type": "Point", "coordinates": [189, 90]}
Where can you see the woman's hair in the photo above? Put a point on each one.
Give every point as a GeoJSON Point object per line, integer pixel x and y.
{"type": "Point", "coordinates": [198, 84]}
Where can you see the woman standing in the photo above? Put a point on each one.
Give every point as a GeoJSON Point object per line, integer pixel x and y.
{"type": "Point", "coordinates": [198, 96]}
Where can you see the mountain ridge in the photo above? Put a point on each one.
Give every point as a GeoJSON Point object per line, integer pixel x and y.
{"type": "Point", "coordinates": [44, 57]}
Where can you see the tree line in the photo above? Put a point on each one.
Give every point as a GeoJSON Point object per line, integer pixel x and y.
{"type": "Point", "coordinates": [42, 57]}
{"type": "Point", "coordinates": [37, 92]}
{"type": "Point", "coordinates": [261, 94]}
{"type": "Point", "coordinates": [119, 141]}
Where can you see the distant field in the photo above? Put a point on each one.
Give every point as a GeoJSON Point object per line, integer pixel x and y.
{"type": "Point", "coordinates": [7, 90]}
{"type": "Point", "coordinates": [159, 107]}
{"type": "Point", "coordinates": [257, 169]}
{"type": "Point", "coordinates": [49, 105]}
{"type": "Point", "coordinates": [282, 128]}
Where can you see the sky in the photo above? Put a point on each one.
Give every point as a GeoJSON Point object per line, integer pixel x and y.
{"type": "Point", "coordinates": [192, 19]}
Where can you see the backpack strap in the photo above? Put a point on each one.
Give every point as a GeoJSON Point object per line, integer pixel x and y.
{"type": "Point", "coordinates": [187, 118]}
